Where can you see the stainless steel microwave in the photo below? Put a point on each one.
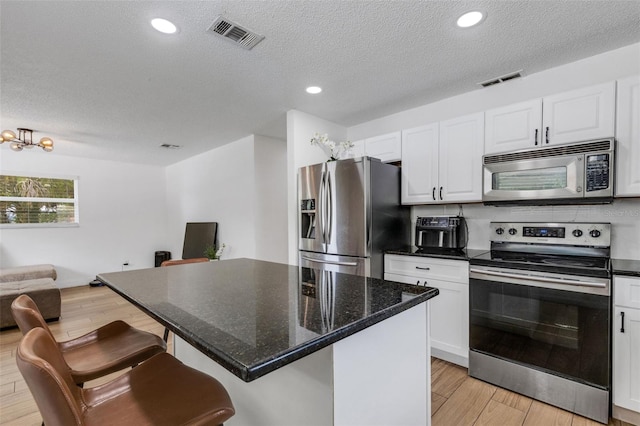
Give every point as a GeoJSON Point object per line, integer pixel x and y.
{"type": "Point", "coordinates": [566, 174]}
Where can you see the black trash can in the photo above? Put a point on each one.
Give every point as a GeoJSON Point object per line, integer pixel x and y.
{"type": "Point", "coordinates": [161, 256]}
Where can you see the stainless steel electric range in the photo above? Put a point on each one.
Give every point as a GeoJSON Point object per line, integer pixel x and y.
{"type": "Point", "coordinates": [539, 311]}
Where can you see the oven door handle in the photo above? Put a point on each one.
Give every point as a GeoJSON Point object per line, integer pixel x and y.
{"type": "Point", "coordinates": [539, 279]}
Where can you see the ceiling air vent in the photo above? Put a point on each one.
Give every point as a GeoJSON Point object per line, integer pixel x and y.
{"type": "Point", "coordinates": [235, 33]}
{"type": "Point", "coordinates": [501, 79]}
{"type": "Point", "coordinates": [170, 146]}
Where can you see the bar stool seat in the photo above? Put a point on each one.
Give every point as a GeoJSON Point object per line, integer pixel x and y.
{"type": "Point", "coordinates": [161, 391]}
{"type": "Point", "coordinates": [103, 351]}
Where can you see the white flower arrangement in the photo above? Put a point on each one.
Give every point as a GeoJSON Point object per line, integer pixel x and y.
{"type": "Point", "coordinates": [332, 149]}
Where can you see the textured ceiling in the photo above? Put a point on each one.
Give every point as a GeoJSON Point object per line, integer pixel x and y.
{"type": "Point", "coordinates": [102, 83]}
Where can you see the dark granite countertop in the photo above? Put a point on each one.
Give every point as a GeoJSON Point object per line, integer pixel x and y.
{"type": "Point", "coordinates": [629, 267]}
{"type": "Point", "coordinates": [253, 317]}
{"type": "Point", "coordinates": [455, 254]}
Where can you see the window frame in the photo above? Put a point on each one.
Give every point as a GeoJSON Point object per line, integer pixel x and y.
{"type": "Point", "coordinates": [75, 201]}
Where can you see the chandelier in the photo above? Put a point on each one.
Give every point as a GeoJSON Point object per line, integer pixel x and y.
{"type": "Point", "coordinates": [24, 140]}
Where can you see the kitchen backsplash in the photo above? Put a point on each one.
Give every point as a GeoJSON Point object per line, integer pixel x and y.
{"type": "Point", "coordinates": [623, 214]}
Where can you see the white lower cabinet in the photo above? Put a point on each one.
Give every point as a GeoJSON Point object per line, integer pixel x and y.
{"type": "Point", "coordinates": [449, 311]}
{"type": "Point", "coordinates": [626, 344]}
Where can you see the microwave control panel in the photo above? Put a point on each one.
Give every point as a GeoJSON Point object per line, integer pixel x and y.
{"type": "Point", "coordinates": [597, 172]}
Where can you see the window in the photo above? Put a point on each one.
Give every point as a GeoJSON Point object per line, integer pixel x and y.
{"type": "Point", "coordinates": [38, 201]}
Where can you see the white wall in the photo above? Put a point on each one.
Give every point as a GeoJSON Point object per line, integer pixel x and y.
{"type": "Point", "coordinates": [300, 129]}
{"type": "Point", "coordinates": [122, 218]}
{"type": "Point", "coordinates": [624, 214]}
{"type": "Point", "coordinates": [238, 185]}
{"type": "Point", "coordinates": [270, 191]}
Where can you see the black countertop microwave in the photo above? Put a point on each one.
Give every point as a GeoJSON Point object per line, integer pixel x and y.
{"type": "Point", "coordinates": [581, 173]}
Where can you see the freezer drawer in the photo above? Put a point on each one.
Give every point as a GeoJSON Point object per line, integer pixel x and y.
{"type": "Point", "coordinates": [335, 263]}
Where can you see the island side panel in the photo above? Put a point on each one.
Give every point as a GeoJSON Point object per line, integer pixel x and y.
{"type": "Point", "coordinates": [299, 393]}
{"type": "Point", "coordinates": [382, 375]}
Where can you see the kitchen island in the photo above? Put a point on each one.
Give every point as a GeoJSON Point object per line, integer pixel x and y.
{"type": "Point", "coordinates": [295, 345]}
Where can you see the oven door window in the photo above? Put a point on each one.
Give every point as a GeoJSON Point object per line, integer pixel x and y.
{"type": "Point", "coordinates": [560, 332]}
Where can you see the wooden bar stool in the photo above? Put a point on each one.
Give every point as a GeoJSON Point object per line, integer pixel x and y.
{"type": "Point", "coordinates": [110, 348]}
{"type": "Point", "coordinates": [160, 391]}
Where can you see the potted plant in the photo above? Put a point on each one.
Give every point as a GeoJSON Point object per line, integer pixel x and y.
{"type": "Point", "coordinates": [213, 253]}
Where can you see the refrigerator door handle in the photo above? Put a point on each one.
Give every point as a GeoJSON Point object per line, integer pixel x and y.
{"type": "Point", "coordinates": [330, 208]}
{"type": "Point", "coordinates": [332, 262]}
{"type": "Point", "coordinates": [321, 209]}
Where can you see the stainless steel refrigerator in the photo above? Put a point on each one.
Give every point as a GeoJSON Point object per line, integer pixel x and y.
{"type": "Point", "coordinates": [349, 213]}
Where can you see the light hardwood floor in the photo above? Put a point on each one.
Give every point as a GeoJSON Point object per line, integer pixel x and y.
{"type": "Point", "coordinates": [457, 399]}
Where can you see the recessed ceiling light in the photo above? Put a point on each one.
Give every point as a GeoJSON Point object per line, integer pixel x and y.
{"type": "Point", "coordinates": [314, 90]}
{"type": "Point", "coordinates": [164, 26]}
{"type": "Point", "coordinates": [470, 19]}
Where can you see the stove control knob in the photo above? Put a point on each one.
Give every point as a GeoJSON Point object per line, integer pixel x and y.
{"type": "Point", "coordinates": [577, 233]}
{"type": "Point", "coordinates": [594, 233]}
{"type": "Point", "coordinates": [513, 231]}
{"type": "Point", "coordinates": [499, 231]}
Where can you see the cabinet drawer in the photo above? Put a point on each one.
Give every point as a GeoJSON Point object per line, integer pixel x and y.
{"type": "Point", "coordinates": [626, 292]}
{"type": "Point", "coordinates": [427, 268]}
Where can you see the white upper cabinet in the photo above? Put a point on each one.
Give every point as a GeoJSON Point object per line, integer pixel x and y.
{"type": "Point", "coordinates": [628, 137]}
{"type": "Point", "coordinates": [419, 164]}
{"type": "Point", "coordinates": [442, 162]}
{"type": "Point", "coordinates": [385, 147]}
{"type": "Point", "coordinates": [461, 148]}
{"type": "Point", "coordinates": [579, 115]}
{"type": "Point", "coordinates": [575, 116]}
{"type": "Point", "coordinates": [513, 127]}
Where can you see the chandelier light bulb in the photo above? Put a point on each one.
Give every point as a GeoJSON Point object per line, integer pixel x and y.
{"type": "Point", "coordinates": [16, 146]}
{"type": "Point", "coordinates": [8, 135]}
{"type": "Point", "coordinates": [44, 142]}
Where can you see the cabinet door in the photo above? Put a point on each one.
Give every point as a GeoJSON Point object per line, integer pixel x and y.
{"type": "Point", "coordinates": [579, 115]}
{"type": "Point", "coordinates": [419, 165]}
{"type": "Point", "coordinates": [626, 359]}
{"type": "Point", "coordinates": [628, 136]}
{"type": "Point", "coordinates": [461, 148]}
{"type": "Point", "coordinates": [386, 147]}
{"type": "Point", "coordinates": [513, 127]}
{"type": "Point", "coordinates": [449, 325]}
